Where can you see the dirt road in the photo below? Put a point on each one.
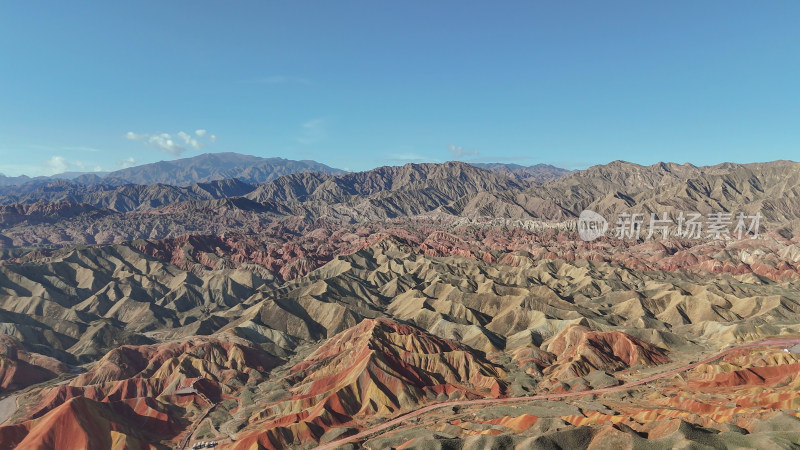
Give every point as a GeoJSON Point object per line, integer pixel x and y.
{"type": "Point", "coordinates": [8, 406]}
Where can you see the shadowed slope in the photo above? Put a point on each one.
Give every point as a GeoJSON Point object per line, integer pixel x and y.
{"type": "Point", "coordinates": [88, 424]}
{"type": "Point", "coordinates": [20, 368]}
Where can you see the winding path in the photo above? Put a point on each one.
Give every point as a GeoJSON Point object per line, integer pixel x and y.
{"type": "Point", "coordinates": [494, 401]}
{"type": "Point", "coordinates": [185, 441]}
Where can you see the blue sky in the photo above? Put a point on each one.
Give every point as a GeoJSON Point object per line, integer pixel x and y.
{"type": "Point", "coordinates": [102, 85]}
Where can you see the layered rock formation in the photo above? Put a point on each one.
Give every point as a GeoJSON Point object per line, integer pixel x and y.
{"type": "Point", "coordinates": [436, 300]}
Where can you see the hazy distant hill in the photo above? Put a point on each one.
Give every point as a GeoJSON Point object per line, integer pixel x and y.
{"type": "Point", "coordinates": [78, 177]}
{"type": "Point", "coordinates": [183, 172]}
{"type": "Point", "coordinates": [216, 166]}
{"type": "Point", "coordinates": [11, 181]}
{"type": "Point", "coordinates": [538, 173]}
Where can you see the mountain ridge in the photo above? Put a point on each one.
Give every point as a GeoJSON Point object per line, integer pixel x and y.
{"type": "Point", "coordinates": [185, 171]}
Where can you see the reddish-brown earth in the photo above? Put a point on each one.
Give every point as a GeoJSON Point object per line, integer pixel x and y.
{"type": "Point", "coordinates": [580, 351]}
{"type": "Point", "coordinates": [130, 396]}
{"type": "Point", "coordinates": [87, 424]}
{"type": "Point", "coordinates": [296, 312]}
{"type": "Point", "coordinates": [20, 368]}
{"type": "Point", "coordinates": [313, 248]}
{"type": "Point", "coordinates": [375, 368]}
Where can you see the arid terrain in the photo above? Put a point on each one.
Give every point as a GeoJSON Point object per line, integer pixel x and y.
{"type": "Point", "coordinates": [284, 304]}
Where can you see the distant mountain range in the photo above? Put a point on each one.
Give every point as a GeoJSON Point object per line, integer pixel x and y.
{"type": "Point", "coordinates": [246, 168]}
{"type": "Point", "coordinates": [216, 166]}
{"type": "Point", "coordinates": [32, 214]}
{"type": "Point", "coordinates": [187, 171]}
{"type": "Point", "coordinates": [24, 179]}
{"type": "Point", "coordinates": [538, 173]}
{"type": "Point", "coordinates": [390, 191]}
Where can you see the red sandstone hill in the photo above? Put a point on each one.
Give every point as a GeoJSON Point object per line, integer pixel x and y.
{"type": "Point", "coordinates": [376, 367]}
{"type": "Point", "coordinates": [20, 368]}
{"type": "Point", "coordinates": [580, 351]}
{"type": "Point", "coordinates": [284, 260]}
{"type": "Point", "coordinates": [128, 373]}
{"type": "Point", "coordinates": [218, 357]}
{"type": "Point", "coordinates": [87, 424]}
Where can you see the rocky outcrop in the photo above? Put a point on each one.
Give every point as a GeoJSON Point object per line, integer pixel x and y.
{"type": "Point", "coordinates": [580, 351]}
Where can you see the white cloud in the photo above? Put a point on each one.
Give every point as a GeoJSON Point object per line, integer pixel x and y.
{"type": "Point", "coordinates": [165, 142]}
{"type": "Point", "coordinates": [56, 164]}
{"type": "Point", "coordinates": [189, 140]}
{"type": "Point", "coordinates": [460, 152]}
{"type": "Point", "coordinates": [313, 132]}
{"type": "Point", "coordinates": [176, 145]}
{"type": "Point", "coordinates": [53, 165]}
{"type": "Point", "coordinates": [83, 167]}
{"type": "Point", "coordinates": [127, 162]}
